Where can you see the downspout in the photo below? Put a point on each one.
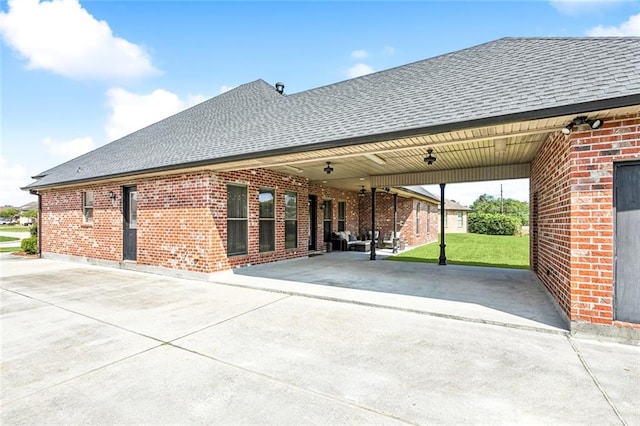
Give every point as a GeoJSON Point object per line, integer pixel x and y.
{"type": "Point", "coordinates": [39, 236]}
{"type": "Point", "coordinates": [443, 256]}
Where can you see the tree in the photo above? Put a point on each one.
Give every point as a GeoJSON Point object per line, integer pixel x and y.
{"type": "Point", "coordinates": [10, 213]}
{"type": "Point", "coordinates": [489, 204]}
{"type": "Point", "coordinates": [31, 213]}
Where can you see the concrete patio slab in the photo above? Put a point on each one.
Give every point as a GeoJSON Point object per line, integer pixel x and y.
{"type": "Point", "coordinates": [177, 306]}
{"type": "Point", "coordinates": [511, 297]}
{"type": "Point", "coordinates": [173, 386]}
{"type": "Point", "coordinates": [422, 369]}
{"type": "Point", "coordinates": [87, 344]}
{"type": "Point", "coordinates": [43, 345]}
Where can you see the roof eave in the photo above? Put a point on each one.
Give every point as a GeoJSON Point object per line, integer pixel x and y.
{"type": "Point", "coordinates": [570, 109]}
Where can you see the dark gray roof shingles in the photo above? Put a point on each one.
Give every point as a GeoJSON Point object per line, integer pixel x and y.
{"type": "Point", "coordinates": [505, 77]}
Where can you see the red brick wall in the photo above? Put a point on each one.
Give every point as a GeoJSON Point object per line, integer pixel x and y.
{"type": "Point", "coordinates": [63, 232]}
{"type": "Point", "coordinates": [573, 178]}
{"type": "Point", "coordinates": [176, 226]}
{"type": "Point", "coordinates": [406, 214]}
{"type": "Point", "coordinates": [352, 215]}
{"type": "Point", "coordinates": [550, 180]}
{"type": "Point", "coordinates": [592, 156]}
{"type": "Point", "coordinates": [256, 179]}
{"type": "Point", "coordinates": [181, 220]}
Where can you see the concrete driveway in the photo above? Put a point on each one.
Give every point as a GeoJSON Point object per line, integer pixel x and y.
{"type": "Point", "coordinates": [85, 344]}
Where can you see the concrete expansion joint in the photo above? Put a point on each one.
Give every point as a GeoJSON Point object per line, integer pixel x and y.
{"type": "Point", "coordinates": [295, 386]}
{"type": "Point", "coordinates": [596, 382]}
{"type": "Point", "coordinates": [257, 308]}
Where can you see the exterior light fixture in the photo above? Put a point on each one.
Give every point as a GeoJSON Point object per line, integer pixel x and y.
{"type": "Point", "coordinates": [328, 169]}
{"type": "Point", "coordinates": [387, 189]}
{"type": "Point", "coordinates": [280, 88]}
{"type": "Point", "coordinates": [430, 159]}
{"type": "Point", "coordinates": [112, 195]}
{"type": "Point", "coordinates": [362, 191]}
{"type": "Point", "coordinates": [594, 124]}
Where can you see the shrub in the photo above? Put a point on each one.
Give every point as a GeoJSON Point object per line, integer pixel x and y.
{"type": "Point", "coordinates": [30, 245]}
{"type": "Point", "coordinates": [33, 229]}
{"type": "Point", "coordinates": [494, 224]}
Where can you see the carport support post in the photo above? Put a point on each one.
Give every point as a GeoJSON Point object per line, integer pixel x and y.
{"type": "Point", "coordinates": [395, 221]}
{"type": "Point", "coordinates": [443, 256]}
{"type": "Point", "coordinates": [373, 224]}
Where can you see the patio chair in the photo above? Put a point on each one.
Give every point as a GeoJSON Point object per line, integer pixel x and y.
{"type": "Point", "coordinates": [387, 242]}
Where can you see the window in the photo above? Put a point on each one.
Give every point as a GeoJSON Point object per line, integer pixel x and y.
{"type": "Point", "coordinates": [267, 220]}
{"type": "Point", "coordinates": [87, 207]}
{"type": "Point", "coordinates": [417, 218]}
{"type": "Point", "coordinates": [133, 210]}
{"type": "Point", "coordinates": [459, 219]}
{"type": "Point", "coordinates": [341, 216]}
{"type": "Point", "coordinates": [290, 220]}
{"type": "Point", "coordinates": [327, 221]}
{"type": "Point", "coordinates": [236, 220]}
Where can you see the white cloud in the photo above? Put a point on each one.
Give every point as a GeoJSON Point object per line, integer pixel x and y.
{"type": "Point", "coordinates": [62, 37]}
{"type": "Point", "coordinates": [358, 70]}
{"type": "Point", "coordinates": [577, 7]}
{"type": "Point", "coordinates": [12, 177]}
{"type": "Point", "coordinates": [359, 54]}
{"type": "Point", "coordinates": [630, 27]}
{"type": "Point", "coordinates": [69, 149]}
{"type": "Point", "coordinates": [225, 88]}
{"type": "Point", "coordinates": [131, 112]}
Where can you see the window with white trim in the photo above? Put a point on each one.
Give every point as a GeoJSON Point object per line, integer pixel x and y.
{"type": "Point", "coordinates": [87, 207]}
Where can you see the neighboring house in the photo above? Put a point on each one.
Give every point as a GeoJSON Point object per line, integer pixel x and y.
{"type": "Point", "coordinates": [26, 221]}
{"type": "Point", "coordinates": [240, 179]}
{"type": "Point", "coordinates": [455, 218]}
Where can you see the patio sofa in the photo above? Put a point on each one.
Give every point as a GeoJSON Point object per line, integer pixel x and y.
{"type": "Point", "coordinates": [342, 240]}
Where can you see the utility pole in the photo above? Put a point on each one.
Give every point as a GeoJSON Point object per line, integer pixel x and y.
{"type": "Point", "coordinates": [501, 203]}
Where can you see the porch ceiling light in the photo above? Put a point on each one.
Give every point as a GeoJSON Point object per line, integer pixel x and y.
{"type": "Point", "coordinates": [594, 124]}
{"type": "Point", "coordinates": [430, 159]}
{"type": "Point", "coordinates": [328, 169]}
{"type": "Point", "coordinates": [376, 159]}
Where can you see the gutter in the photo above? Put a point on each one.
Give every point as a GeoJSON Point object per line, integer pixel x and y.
{"type": "Point", "coordinates": [572, 109]}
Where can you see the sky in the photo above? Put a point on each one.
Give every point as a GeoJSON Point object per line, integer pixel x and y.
{"type": "Point", "coordinates": [76, 75]}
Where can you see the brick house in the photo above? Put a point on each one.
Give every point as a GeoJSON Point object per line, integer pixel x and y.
{"type": "Point", "coordinates": [455, 217]}
{"type": "Point", "coordinates": [241, 178]}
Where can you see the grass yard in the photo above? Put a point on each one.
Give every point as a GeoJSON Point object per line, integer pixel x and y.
{"type": "Point", "coordinates": [9, 249]}
{"type": "Point", "coordinates": [474, 250]}
{"type": "Point", "coordinates": [5, 239]}
{"type": "Point", "coordinates": [14, 228]}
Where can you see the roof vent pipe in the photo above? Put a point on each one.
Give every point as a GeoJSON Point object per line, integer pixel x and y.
{"type": "Point", "coordinates": [280, 88]}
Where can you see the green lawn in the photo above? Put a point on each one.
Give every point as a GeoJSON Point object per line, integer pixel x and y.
{"type": "Point", "coordinates": [5, 239]}
{"type": "Point", "coordinates": [14, 228]}
{"type": "Point", "coordinates": [9, 249]}
{"type": "Point", "coordinates": [474, 250]}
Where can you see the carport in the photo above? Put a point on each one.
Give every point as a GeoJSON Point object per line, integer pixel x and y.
{"type": "Point", "coordinates": [508, 297]}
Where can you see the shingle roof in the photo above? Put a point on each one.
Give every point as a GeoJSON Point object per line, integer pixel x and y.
{"type": "Point", "coordinates": [453, 205]}
{"type": "Point", "coordinates": [494, 82]}
{"type": "Point", "coordinates": [422, 191]}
